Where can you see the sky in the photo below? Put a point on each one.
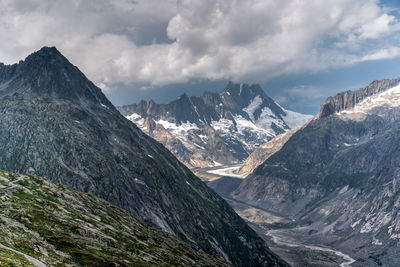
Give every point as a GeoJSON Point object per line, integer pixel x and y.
{"type": "Point", "coordinates": [300, 51]}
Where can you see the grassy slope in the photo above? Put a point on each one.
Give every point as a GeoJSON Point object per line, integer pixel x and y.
{"type": "Point", "coordinates": [61, 226]}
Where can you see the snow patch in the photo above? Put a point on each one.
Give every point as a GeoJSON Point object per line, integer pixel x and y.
{"type": "Point", "coordinates": [267, 118]}
{"type": "Point", "coordinates": [294, 119]}
{"type": "Point", "coordinates": [223, 125]}
{"type": "Point", "coordinates": [343, 190]}
{"type": "Point", "coordinates": [184, 127]}
{"type": "Point", "coordinates": [135, 118]}
{"type": "Point", "coordinates": [353, 225]}
{"type": "Point", "coordinates": [376, 242]}
{"type": "Point", "coordinates": [253, 106]}
{"type": "Point", "coordinates": [104, 106]}
{"type": "Point", "coordinates": [227, 171]}
{"type": "Point", "coordinates": [216, 163]}
{"type": "Point", "coordinates": [390, 97]}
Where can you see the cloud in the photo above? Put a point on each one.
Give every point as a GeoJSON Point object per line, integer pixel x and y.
{"type": "Point", "coordinates": [160, 42]}
{"type": "Point", "coordinates": [311, 92]}
{"type": "Point", "coordinates": [387, 53]}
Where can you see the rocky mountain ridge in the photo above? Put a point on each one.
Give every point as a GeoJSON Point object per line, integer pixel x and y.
{"type": "Point", "coordinates": [263, 152]}
{"type": "Point", "coordinates": [215, 128]}
{"type": "Point", "coordinates": [348, 99]}
{"type": "Point", "coordinates": [337, 177]}
{"type": "Point", "coordinates": [57, 124]}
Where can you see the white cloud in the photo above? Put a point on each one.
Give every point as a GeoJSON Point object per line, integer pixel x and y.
{"type": "Point", "coordinates": [387, 53]}
{"type": "Point", "coordinates": [161, 42]}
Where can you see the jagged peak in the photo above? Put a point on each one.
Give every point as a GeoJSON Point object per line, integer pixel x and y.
{"type": "Point", "coordinates": [184, 96]}
{"type": "Point", "coordinates": [47, 56]}
{"type": "Point", "coordinates": [243, 88]}
{"type": "Point", "coordinates": [44, 54]}
{"type": "Point", "coordinates": [348, 99]}
{"type": "Point", "coordinates": [183, 99]}
{"type": "Point", "coordinates": [47, 72]}
{"type": "Point", "coordinates": [47, 51]}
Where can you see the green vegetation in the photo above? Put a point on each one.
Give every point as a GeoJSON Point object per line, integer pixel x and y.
{"type": "Point", "coordinates": [10, 259]}
{"type": "Point", "coordinates": [60, 226]}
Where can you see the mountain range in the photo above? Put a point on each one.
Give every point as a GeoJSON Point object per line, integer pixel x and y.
{"type": "Point", "coordinates": [215, 128]}
{"type": "Point", "coordinates": [336, 178]}
{"type": "Point", "coordinates": [57, 124]}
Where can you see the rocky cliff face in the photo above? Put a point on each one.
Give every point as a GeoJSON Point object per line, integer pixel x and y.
{"type": "Point", "coordinates": [215, 128]}
{"type": "Point", "coordinates": [263, 152]}
{"type": "Point", "coordinates": [46, 224]}
{"type": "Point", "coordinates": [57, 124]}
{"type": "Point", "coordinates": [348, 99]}
{"type": "Point", "coordinates": [338, 176]}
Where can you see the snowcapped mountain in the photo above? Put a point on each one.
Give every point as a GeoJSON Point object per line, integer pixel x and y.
{"type": "Point", "coordinates": [214, 128]}
{"type": "Point", "coordinates": [338, 176]}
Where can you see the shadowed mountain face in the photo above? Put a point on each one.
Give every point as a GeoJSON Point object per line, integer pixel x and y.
{"type": "Point", "coordinates": [338, 175]}
{"type": "Point", "coordinates": [214, 128]}
{"type": "Point", "coordinates": [57, 124]}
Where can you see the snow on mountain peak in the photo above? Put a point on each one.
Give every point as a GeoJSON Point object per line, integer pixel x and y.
{"type": "Point", "coordinates": [255, 103]}
{"type": "Point", "coordinates": [294, 119]}
{"type": "Point", "coordinates": [388, 98]}
{"type": "Point", "coordinates": [215, 127]}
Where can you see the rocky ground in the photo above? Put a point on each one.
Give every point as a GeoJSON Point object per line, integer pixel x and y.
{"type": "Point", "coordinates": [283, 235]}
{"type": "Point", "coordinates": [47, 224]}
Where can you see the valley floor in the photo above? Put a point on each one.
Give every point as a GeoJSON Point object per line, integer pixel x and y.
{"type": "Point", "coordinates": [279, 232]}
{"type": "Point", "coordinates": [288, 243]}
{"type": "Point", "coordinates": [323, 255]}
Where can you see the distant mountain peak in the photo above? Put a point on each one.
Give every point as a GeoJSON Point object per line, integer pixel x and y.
{"type": "Point", "coordinates": [184, 95]}
{"type": "Point", "coordinates": [184, 98]}
{"type": "Point", "coordinates": [243, 89]}
{"type": "Point", "coordinates": [216, 128]}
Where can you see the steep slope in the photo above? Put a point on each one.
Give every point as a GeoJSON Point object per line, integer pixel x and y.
{"type": "Point", "coordinates": [338, 176]}
{"type": "Point", "coordinates": [57, 124]}
{"type": "Point", "coordinates": [215, 128]}
{"type": "Point", "coordinates": [56, 225]}
{"type": "Point", "coordinates": [263, 152]}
